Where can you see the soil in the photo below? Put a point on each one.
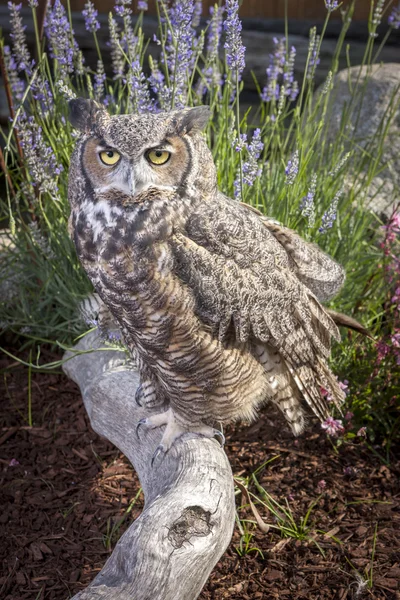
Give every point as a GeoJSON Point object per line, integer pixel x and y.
{"type": "Point", "coordinates": [67, 495]}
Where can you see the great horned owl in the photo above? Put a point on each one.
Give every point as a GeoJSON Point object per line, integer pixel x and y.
{"type": "Point", "coordinates": [220, 306]}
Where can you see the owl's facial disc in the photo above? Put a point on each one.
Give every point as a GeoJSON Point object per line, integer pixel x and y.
{"type": "Point", "coordinates": [115, 174]}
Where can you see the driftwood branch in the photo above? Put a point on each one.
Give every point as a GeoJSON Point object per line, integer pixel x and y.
{"type": "Point", "coordinates": [188, 517]}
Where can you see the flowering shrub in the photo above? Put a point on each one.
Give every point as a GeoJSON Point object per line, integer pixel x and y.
{"type": "Point", "coordinates": [277, 157]}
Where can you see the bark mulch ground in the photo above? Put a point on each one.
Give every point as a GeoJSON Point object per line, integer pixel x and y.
{"type": "Point", "coordinates": [67, 495]}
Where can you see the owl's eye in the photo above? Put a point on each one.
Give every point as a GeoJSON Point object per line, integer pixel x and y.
{"type": "Point", "coordinates": [110, 157]}
{"type": "Point", "coordinates": [158, 157]}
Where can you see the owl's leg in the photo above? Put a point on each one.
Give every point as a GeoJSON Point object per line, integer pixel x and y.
{"type": "Point", "coordinates": [174, 430]}
{"type": "Point", "coordinates": [148, 395]}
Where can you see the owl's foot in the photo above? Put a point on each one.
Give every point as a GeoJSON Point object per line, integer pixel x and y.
{"type": "Point", "coordinates": [173, 431]}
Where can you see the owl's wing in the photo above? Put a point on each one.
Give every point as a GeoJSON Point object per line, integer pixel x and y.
{"type": "Point", "coordinates": [316, 269]}
{"type": "Point", "coordinates": [244, 284]}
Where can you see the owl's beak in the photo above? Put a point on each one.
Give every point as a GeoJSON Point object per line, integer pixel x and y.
{"type": "Point", "coordinates": [131, 181]}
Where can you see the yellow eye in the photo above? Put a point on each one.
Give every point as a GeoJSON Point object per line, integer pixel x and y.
{"type": "Point", "coordinates": [110, 157]}
{"type": "Point", "coordinates": [158, 157]}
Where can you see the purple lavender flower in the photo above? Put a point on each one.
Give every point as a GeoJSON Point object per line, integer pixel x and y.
{"type": "Point", "coordinates": [59, 34]}
{"type": "Point", "coordinates": [313, 53]}
{"type": "Point", "coordinates": [277, 62]}
{"type": "Point", "coordinates": [90, 15]}
{"type": "Point", "coordinates": [20, 49]}
{"type": "Point", "coordinates": [332, 426]}
{"type": "Point", "coordinates": [142, 5]}
{"type": "Point", "coordinates": [307, 205]}
{"type": "Point", "coordinates": [99, 80]}
{"type": "Point", "coordinates": [140, 93]}
{"type": "Point", "coordinates": [329, 217]}
{"type": "Point", "coordinates": [33, 3]}
{"type": "Point", "coordinates": [129, 40]}
{"type": "Point", "coordinates": [240, 143]}
{"type": "Point", "coordinates": [17, 85]}
{"type": "Point", "coordinates": [394, 17]}
{"type": "Point", "coordinates": [292, 168]}
{"type": "Point", "coordinates": [117, 59]}
{"type": "Point", "coordinates": [331, 5]}
{"type": "Point", "coordinates": [122, 8]}
{"type": "Point", "coordinates": [214, 32]}
{"type": "Point", "coordinates": [179, 48]}
{"type": "Point", "coordinates": [211, 78]}
{"type": "Point", "coordinates": [235, 51]}
{"type": "Point", "coordinates": [198, 9]}
{"type": "Point", "coordinates": [42, 93]}
{"type": "Point", "coordinates": [158, 86]}
{"type": "Point", "coordinates": [291, 86]}
{"type": "Point", "coordinates": [280, 72]}
{"type": "Point", "coordinates": [39, 157]}
{"type": "Point", "coordinates": [377, 16]}
{"type": "Point", "coordinates": [251, 168]}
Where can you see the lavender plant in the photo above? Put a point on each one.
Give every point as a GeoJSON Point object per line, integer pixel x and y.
{"type": "Point", "coordinates": [276, 156]}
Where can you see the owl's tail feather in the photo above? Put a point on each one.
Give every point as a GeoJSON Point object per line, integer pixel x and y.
{"type": "Point", "coordinates": [288, 399]}
{"type": "Point", "coordinates": [281, 390]}
{"type": "Point", "coordinates": [348, 322]}
{"type": "Point", "coordinates": [310, 381]}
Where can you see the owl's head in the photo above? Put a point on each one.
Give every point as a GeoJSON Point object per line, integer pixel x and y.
{"type": "Point", "coordinates": [124, 155]}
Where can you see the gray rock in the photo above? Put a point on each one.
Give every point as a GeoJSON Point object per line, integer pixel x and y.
{"type": "Point", "coordinates": [374, 107]}
{"type": "Point", "coordinates": [259, 45]}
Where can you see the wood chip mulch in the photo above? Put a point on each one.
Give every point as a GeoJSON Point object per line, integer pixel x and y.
{"type": "Point", "coordinates": [67, 495]}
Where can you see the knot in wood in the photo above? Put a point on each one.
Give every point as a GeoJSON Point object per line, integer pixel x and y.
{"type": "Point", "coordinates": [194, 521]}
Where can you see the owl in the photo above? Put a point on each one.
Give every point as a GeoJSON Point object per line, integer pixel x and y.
{"type": "Point", "coordinates": [220, 306]}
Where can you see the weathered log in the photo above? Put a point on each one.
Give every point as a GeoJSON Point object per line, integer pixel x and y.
{"type": "Point", "coordinates": [188, 517]}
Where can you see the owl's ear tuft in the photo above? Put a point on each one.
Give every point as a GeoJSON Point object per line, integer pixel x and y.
{"type": "Point", "coordinates": [84, 114]}
{"type": "Point", "coordinates": [193, 119]}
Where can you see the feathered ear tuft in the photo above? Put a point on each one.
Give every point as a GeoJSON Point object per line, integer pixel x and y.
{"type": "Point", "coordinates": [192, 119]}
{"type": "Point", "coordinates": [85, 114]}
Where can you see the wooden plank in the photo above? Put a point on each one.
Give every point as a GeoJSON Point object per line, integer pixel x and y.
{"type": "Point", "coordinates": [262, 9]}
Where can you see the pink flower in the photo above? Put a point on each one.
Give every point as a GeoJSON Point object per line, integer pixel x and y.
{"type": "Point", "coordinates": [395, 221]}
{"type": "Point", "coordinates": [349, 471]}
{"type": "Point", "coordinates": [383, 351]}
{"type": "Point", "coordinates": [344, 385]}
{"type": "Point", "coordinates": [332, 426]}
{"type": "Point", "coordinates": [349, 415]}
{"type": "Point", "coordinates": [322, 484]}
{"type": "Point", "coordinates": [396, 340]}
{"type": "Point", "coordinates": [362, 432]}
{"type": "Point", "coordinates": [13, 463]}
{"type": "Point", "coordinates": [325, 394]}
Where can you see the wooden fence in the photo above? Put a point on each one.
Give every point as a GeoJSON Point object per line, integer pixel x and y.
{"type": "Point", "coordinates": [261, 9]}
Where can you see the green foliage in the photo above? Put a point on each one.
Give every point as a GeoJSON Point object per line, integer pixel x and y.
{"type": "Point", "coordinates": [280, 518]}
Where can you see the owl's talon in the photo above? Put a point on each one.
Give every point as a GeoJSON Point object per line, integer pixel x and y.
{"type": "Point", "coordinates": [217, 433]}
{"type": "Point", "coordinates": [137, 396]}
{"type": "Point", "coordinates": [140, 423]}
{"type": "Point", "coordinates": [160, 450]}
